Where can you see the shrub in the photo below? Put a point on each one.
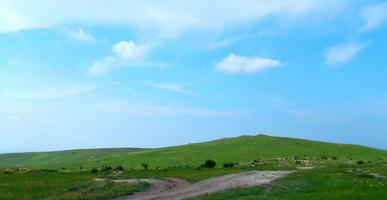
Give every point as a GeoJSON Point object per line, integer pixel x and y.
{"type": "Point", "coordinates": [145, 165]}
{"type": "Point", "coordinates": [106, 168]}
{"type": "Point", "coordinates": [119, 168]}
{"type": "Point", "coordinates": [360, 162]}
{"type": "Point", "coordinates": [209, 164]}
{"type": "Point", "coordinates": [229, 165]}
{"type": "Point", "coordinates": [94, 170]}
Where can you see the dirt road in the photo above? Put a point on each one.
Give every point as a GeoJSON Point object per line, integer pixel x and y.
{"type": "Point", "coordinates": [176, 189]}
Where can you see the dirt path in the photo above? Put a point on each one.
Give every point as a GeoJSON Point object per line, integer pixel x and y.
{"type": "Point", "coordinates": [176, 189]}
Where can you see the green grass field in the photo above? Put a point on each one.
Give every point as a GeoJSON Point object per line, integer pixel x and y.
{"type": "Point", "coordinates": [52, 185]}
{"type": "Point", "coordinates": [59, 159]}
{"type": "Point", "coordinates": [341, 171]}
{"type": "Point", "coordinates": [240, 149]}
{"type": "Point", "coordinates": [340, 182]}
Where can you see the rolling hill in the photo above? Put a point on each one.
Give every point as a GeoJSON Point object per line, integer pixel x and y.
{"type": "Point", "coordinates": [239, 149]}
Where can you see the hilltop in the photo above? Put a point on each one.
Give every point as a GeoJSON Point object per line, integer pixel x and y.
{"type": "Point", "coordinates": [239, 149]}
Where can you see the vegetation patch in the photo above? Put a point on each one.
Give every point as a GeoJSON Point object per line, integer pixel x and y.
{"type": "Point", "coordinates": [38, 184]}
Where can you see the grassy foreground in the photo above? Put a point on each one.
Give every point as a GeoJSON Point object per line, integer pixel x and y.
{"type": "Point", "coordinates": [51, 185]}
{"type": "Point", "coordinates": [340, 182]}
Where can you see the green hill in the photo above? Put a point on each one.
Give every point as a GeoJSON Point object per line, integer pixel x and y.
{"type": "Point", "coordinates": [59, 159]}
{"type": "Point", "coordinates": [240, 149]}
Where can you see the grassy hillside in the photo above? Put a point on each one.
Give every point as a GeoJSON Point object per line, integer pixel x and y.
{"type": "Point", "coordinates": [240, 149]}
{"type": "Point", "coordinates": [59, 159]}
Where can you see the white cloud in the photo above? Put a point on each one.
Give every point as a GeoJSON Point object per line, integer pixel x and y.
{"type": "Point", "coordinates": [174, 87]}
{"type": "Point", "coordinates": [45, 93]}
{"type": "Point", "coordinates": [242, 64]}
{"type": "Point", "coordinates": [169, 17]}
{"type": "Point", "coordinates": [128, 50]}
{"type": "Point", "coordinates": [80, 35]}
{"type": "Point", "coordinates": [125, 53]}
{"type": "Point", "coordinates": [342, 53]}
{"type": "Point", "coordinates": [10, 20]}
{"type": "Point", "coordinates": [374, 15]}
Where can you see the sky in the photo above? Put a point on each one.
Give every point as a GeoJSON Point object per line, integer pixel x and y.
{"type": "Point", "coordinates": [93, 73]}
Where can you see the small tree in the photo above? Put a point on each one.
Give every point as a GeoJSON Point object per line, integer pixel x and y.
{"type": "Point", "coordinates": [209, 164]}
{"type": "Point", "coordinates": [145, 165]}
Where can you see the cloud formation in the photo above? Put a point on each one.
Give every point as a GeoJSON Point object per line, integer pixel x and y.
{"type": "Point", "coordinates": [169, 18]}
{"type": "Point", "coordinates": [342, 53]}
{"type": "Point", "coordinates": [125, 53]}
{"type": "Point", "coordinates": [242, 64]}
{"type": "Point", "coordinates": [374, 15]}
{"type": "Point", "coordinates": [174, 87]}
{"type": "Point", "coordinates": [80, 35]}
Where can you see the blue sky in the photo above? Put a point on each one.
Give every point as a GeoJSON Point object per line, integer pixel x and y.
{"type": "Point", "coordinates": [92, 73]}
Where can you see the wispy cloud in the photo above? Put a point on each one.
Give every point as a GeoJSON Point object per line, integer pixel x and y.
{"type": "Point", "coordinates": [169, 18]}
{"type": "Point", "coordinates": [45, 93]}
{"type": "Point", "coordinates": [374, 15]}
{"type": "Point", "coordinates": [124, 53]}
{"type": "Point", "coordinates": [342, 53]}
{"type": "Point", "coordinates": [174, 87]}
{"type": "Point", "coordinates": [221, 43]}
{"type": "Point", "coordinates": [243, 64]}
{"type": "Point", "coordinates": [80, 35]}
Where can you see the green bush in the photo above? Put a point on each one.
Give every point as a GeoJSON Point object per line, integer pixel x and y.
{"type": "Point", "coordinates": [119, 168]}
{"type": "Point", "coordinates": [106, 169]}
{"type": "Point", "coordinates": [145, 165]}
{"type": "Point", "coordinates": [209, 164]}
{"type": "Point", "coordinates": [94, 170]}
{"type": "Point", "coordinates": [229, 165]}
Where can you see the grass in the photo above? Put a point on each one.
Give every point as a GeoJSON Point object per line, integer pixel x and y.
{"type": "Point", "coordinates": [333, 182]}
{"type": "Point", "coordinates": [343, 172]}
{"type": "Point", "coordinates": [52, 185]}
{"type": "Point", "coordinates": [61, 159]}
{"type": "Point", "coordinates": [240, 149]}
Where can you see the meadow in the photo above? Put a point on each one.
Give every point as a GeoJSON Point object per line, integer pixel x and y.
{"type": "Point", "coordinates": [332, 182]}
{"type": "Point", "coordinates": [54, 185]}
{"type": "Point", "coordinates": [242, 149]}
{"type": "Point", "coordinates": [321, 170]}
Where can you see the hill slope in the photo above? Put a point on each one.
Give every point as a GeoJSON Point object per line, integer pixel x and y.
{"type": "Point", "coordinates": [244, 148]}
{"type": "Point", "coordinates": [58, 159]}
